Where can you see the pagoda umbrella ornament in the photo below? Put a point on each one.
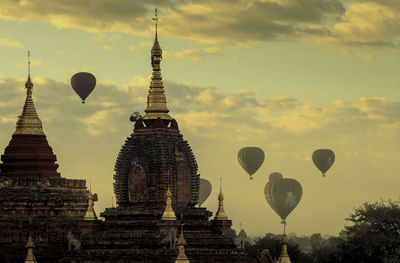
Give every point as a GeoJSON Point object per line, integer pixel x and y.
{"type": "Point", "coordinates": [251, 158]}
{"type": "Point", "coordinates": [323, 159]}
{"type": "Point", "coordinates": [205, 190]}
{"type": "Point", "coordinates": [83, 84]}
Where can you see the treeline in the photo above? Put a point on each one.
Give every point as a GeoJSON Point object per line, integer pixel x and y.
{"type": "Point", "coordinates": [372, 235]}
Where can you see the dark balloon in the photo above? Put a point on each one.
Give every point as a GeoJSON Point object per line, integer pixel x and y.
{"type": "Point", "coordinates": [205, 190]}
{"type": "Point", "coordinates": [323, 159]}
{"type": "Point", "coordinates": [275, 176]}
{"type": "Point", "coordinates": [83, 84]}
{"type": "Point", "coordinates": [251, 158]}
{"type": "Point", "coordinates": [283, 195]}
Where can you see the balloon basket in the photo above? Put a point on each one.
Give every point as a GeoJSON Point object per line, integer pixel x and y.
{"type": "Point", "coordinates": [83, 102]}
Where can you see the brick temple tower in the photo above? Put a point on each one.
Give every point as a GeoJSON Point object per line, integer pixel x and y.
{"type": "Point", "coordinates": [157, 187]}
{"type": "Point", "coordinates": [35, 201]}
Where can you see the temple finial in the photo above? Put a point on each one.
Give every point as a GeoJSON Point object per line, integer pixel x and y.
{"type": "Point", "coordinates": [90, 212]}
{"type": "Point", "coordinates": [30, 257]}
{"type": "Point", "coordinates": [29, 63]}
{"type": "Point", "coordinates": [284, 257]}
{"type": "Point", "coordinates": [220, 215]}
{"type": "Point", "coordinates": [29, 84]}
{"type": "Point", "coordinates": [181, 258]}
{"type": "Point", "coordinates": [169, 213]}
{"type": "Point", "coordinates": [155, 19]}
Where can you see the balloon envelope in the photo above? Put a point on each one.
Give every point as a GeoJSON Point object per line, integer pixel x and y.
{"type": "Point", "coordinates": [283, 195]}
{"type": "Point", "coordinates": [251, 158]}
{"type": "Point", "coordinates": [205, 190]}
{"type": "Point", "coordinates": [275, 176]}
{"type": "Point", "coordinates": [323, 159]}
{"type": "Point", "coordinates": [83, 84]}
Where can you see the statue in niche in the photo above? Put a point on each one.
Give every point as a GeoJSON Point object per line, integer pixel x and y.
{"type": "Point", "coordinates": [137, 182]}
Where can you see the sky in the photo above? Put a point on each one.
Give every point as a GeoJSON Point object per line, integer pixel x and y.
{"type": "Point", "coordinates": [288, 76]}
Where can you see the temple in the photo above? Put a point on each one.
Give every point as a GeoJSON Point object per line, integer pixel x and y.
{"type": "Point", "coordinates": [37, 205]}
{"type": "Point", "coordinates": [47, 218]}
{"type": "Point", "coordinates": [157, 187]}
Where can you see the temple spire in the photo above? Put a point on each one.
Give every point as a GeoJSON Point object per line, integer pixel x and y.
{"type": "Point", "coordinates": [30, 257]}
{"type": "Point", "coordinates": [29, 122]}
{"type": "Point", "coordinates": [155, 19]}
{"type": "Point", "coordinates": [284, 257]}
{"type": "Point", "coordinates": [181, 258]}
{"type": "Point", "coordinates": [90, 213]}
{"type": "Point", "coordinates": [220, 215]}
{"type": "Point", "coordinates": [156, 99]}
{"type": "Point", "coordinates": [168, 213]}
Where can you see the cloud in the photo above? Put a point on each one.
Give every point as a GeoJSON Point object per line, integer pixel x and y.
{"type": "Point", "coordinates": [10, 43]}
{"type": "Point", "coordinates": [232, 21]}
{"type": "Point", "coordinates": [368, 25]}
{"type": "Point", "coordinates": [192, 54]}
{"type": "Point", "coordinates": [132, 48]}
{"type": "Point", "coordinates": [361, 25]}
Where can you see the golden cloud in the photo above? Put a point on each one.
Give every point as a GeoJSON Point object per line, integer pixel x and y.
{"type": "Point", "coordinates": [364, 25]}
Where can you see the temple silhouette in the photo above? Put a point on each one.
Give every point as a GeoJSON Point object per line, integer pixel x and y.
{"type": "Point", "coordinates": [47, 218]}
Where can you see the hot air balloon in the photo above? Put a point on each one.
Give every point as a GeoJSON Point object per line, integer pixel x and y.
{"type": "Point", "coordinates": [83, 84]}
{"type": "Point", "coordinates": [251, 158]}
{"type": "Point", "coordinates": [205, 190]}
{"type": "Point", "coordinates": [283, 195]}
{"type": "Point", "coordinates": [323, 159]}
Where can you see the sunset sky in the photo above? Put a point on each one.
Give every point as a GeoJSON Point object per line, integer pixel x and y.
{"type": "Point", "coordinates": [288, 76]}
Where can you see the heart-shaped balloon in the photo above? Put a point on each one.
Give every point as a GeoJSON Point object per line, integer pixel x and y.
{"type": "Point", "coordinates": [283, 195]}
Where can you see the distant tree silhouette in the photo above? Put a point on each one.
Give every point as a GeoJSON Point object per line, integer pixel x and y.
{"type": "Point", "coordinates": [374, 235]}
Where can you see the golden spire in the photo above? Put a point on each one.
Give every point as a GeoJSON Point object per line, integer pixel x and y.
{"type": "Point", "coordinates": [220, 215]}
{"type": "Point", "coordinates": [181, 258]}
{"type": "Point", "coordinates": [29, 122]}
{"type": "Point", "coordinates": [156, 99]}
{"type": "Point", "coordinates": [30, 257]}
{"type": "Point", "coordinates": [168, 213]}
{"type": "Point", "coordinates": [284, 257]}
{"type": "Point", "coordinates": [90, 213]}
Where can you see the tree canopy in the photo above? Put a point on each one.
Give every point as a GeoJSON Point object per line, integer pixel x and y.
{"type": "Point", "coordinates": [373, 234]}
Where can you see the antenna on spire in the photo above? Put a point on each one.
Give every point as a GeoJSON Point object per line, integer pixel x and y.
{"type": "Point", "coordinates": [155, 19]}
{"type": "Point", "coordinates": [220, 184]}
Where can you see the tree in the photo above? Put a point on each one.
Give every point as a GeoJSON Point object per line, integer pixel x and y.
{"type": "Point", "coordinates": [374, 234]}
